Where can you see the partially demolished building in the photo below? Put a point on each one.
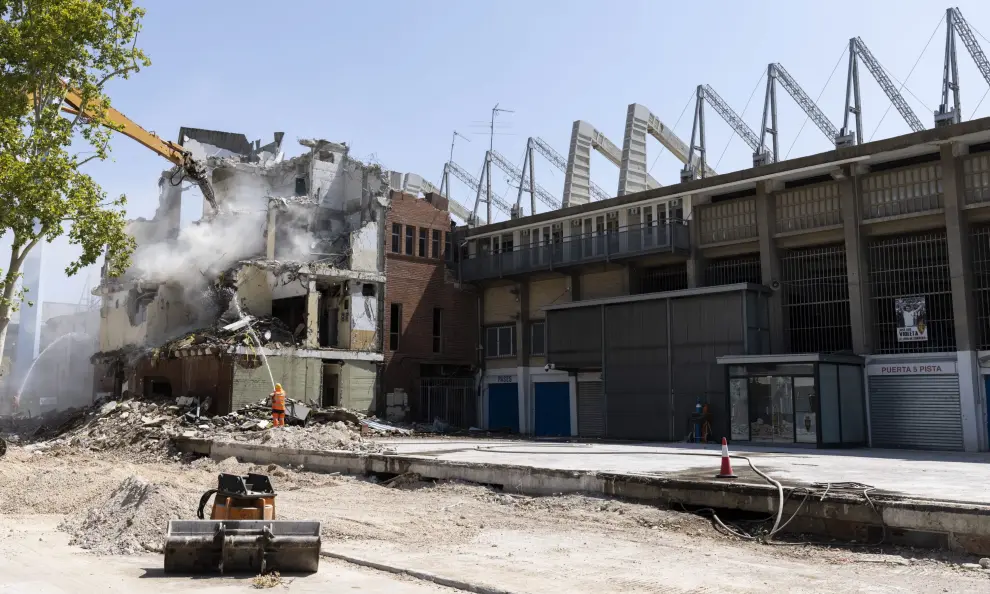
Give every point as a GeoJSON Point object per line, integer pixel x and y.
{"type": "Point", "coordinates": [284, 278]}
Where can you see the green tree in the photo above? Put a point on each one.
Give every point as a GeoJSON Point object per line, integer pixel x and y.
{"type": "Point", "coordinates": [47, 46]}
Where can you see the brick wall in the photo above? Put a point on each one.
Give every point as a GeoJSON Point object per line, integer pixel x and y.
{"type": "Point", "coordinates": [422, 284]}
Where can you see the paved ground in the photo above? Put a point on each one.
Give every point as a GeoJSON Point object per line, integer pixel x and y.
{"type": "Point", "coordinates": [927, 475]}
{"type": "Point", "coordinates": [36, 559]}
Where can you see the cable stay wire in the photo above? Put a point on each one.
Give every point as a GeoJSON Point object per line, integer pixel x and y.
{"type": "Point", "coordinates": [683, 111]}
{"type": "Point", "coordinates": [939, 25]}
{"type": "Point", "coordinates": [741, 115]}
{"type": "Point", "coordinates": [807, 117]}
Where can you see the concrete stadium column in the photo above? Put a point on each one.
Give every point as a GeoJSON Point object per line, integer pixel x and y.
{"type": "Point", "coordinates": [312, 316]}
{"type": "Point", "coordinates": [857, 266]}
{"type": "Point", "coordinates": [971, 399]}
{"type": "Point", "coordinates": [522, 326]}
{"type": "Point", "coordinates": [522, 358]}
{"type": "Point", "coordinates": [696, 262]}
{"type": "Point", "coordinates": [957, 234]}
{"type": "Point", "coordinates": [770, 265]}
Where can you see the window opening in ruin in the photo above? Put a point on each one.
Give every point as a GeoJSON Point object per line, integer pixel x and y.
{"type": "Point", "coordinates": [448, 251]}
{"type": "Point", "coordinates": [300, 186]}
{"type": "Point", "coordinates": [368, 290]}
{"type": "Point", "coordinates": [157, 387]}
{"type": "Point", "coordinates": [500, 341]}
{"type": "Point", "coordinates": [435, 252]}
{"type": "Point", "coordinates": [291, 311]}
{"type": "Point", "coordinates": [394, 326]}
{"type": "Point", "coordinates": [437, 330]}
{"type": "Point", "coordinates": [396, 238]}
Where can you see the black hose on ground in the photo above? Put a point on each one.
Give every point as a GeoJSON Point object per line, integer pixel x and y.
{"type": "Point", "coordinates": [202, 503]}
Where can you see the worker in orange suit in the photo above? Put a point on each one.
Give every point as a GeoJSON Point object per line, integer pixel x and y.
{"type": "Point", "coordinates": [278, 406]}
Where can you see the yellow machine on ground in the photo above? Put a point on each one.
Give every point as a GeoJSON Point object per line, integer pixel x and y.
{"type": "Point", "coordinates": [242, 534]}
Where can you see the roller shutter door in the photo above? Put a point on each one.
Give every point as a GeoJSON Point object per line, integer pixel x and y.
{"type": "Point", "coordinates": [591, 409]}
{"type": "Point", "coordinates": [917, 412]}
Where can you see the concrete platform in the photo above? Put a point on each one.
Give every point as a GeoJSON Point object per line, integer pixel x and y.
{"type": "Point", "coordinates": [673, 476]}
{"type": "Point", "coordinates": [918, 475]}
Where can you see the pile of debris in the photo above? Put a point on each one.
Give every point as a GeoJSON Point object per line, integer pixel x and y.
{"type": "Point", "coordinates": [269, 331]}
{"type": "Point", "coordinates": [143, 429]}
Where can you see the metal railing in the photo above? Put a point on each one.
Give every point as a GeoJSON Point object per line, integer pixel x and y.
{"type": "Point", "coordinates": [448, 399]}
{"type": "Point", "coordinates": [624, 242]}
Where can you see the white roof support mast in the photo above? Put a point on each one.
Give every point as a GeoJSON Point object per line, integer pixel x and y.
{"type": "Point", "coordinates": [577, 178]}
{"type": "Point", "coordinates": [641, 122]}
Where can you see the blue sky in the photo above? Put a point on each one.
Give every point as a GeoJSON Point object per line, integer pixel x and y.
{"type": "Point", "coordinates": [394, 78]}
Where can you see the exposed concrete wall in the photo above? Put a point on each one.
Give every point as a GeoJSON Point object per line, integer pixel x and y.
{"type": "Point", "coordinates": [254, 291]}
{"type": "Point", "coordinates": [547, 292]}
{"type": "Point", "coordinates": [130, 318]}
{"type": "Point", "coordinates": [364, 316]}
{"type": "Point", "coordinates": [501, 304]}
{"type": "Point", "coordinates": [357, 385]}
{"type": "Point", "coordinates": [598, 285]}
{"type": "Point", "coordinates": [299, 376]}
{"type": "Point", "coordinates": [365, 248]}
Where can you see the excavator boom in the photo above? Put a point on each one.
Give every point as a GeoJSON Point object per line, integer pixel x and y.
{"type": "Point", "coordinates": [196, 170]}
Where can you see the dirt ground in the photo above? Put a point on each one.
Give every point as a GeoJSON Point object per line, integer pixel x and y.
{"type": "Point", "coordinates": [467, 532]}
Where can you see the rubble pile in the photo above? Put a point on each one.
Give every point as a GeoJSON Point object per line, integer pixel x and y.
{"type": "Point", "coordinates": [133, 519]}
{"type": "Point", "coordinates": [143, 429]}
{"type": "Point", "coordinates": [270, 331]}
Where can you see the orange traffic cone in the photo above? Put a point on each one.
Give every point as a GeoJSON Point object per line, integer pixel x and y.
{"type": "Point", "coordinates": [726, 464]}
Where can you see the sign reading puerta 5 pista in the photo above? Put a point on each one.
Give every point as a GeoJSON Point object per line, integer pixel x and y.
{"type": "Point", "coordinates": [912, 319]}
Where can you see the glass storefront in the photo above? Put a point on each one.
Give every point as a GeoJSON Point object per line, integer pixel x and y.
{"type": "Point", "coordinates": [775, 399]}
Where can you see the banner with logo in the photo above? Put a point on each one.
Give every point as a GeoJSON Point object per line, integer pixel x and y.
{"type": "Point", "coordinates": [912, 319]}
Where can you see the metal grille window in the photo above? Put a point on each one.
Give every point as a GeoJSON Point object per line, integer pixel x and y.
{"type": "Point", "coordinates": [732, 270]}
{"type": "Point", "coordinates": [663, 278]}
{"type": "Point", "coordinates": [394, 326]}
{"type": "Point", "coordinates": [500, 341]}
{"type": "Point", "coordinates": [396, 238]}
{"type": "Point", "coordinates": [410, 232]}
{"type": "Point", "coordinates": [437, 330]}
{"type": "Point", "coordinates": [902, 191]}
{"type": "Point", "coordinates": [435, 246]}
{"type": "Point", "coordinates": [816, 299]}
{"type": "Point", "coordinates": [907, 272]}
{"type": "Point", "coordinates": [979, 240]}
{"type": "Point", "coordinates": [538, 338]}
{"type": "Point", "coordinates": [976, 178]}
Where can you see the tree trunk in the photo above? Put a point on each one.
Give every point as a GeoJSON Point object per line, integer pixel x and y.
{"type": "Point", "coordinates": [9, 286]}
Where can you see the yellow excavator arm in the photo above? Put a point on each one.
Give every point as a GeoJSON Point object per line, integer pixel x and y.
{"type": "Point", "coordinates": [72, 103]}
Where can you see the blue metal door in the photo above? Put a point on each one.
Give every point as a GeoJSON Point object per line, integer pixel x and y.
{"type": "Point", "coordinates": [503, 407]}
{"type": "Point", "coordinates": [553, 409]}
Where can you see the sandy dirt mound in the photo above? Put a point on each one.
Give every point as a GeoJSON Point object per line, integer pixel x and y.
{"type": "Point", "coordinates": [330, 437]}
{"type": "Point", "coordinates": [133, 519]}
